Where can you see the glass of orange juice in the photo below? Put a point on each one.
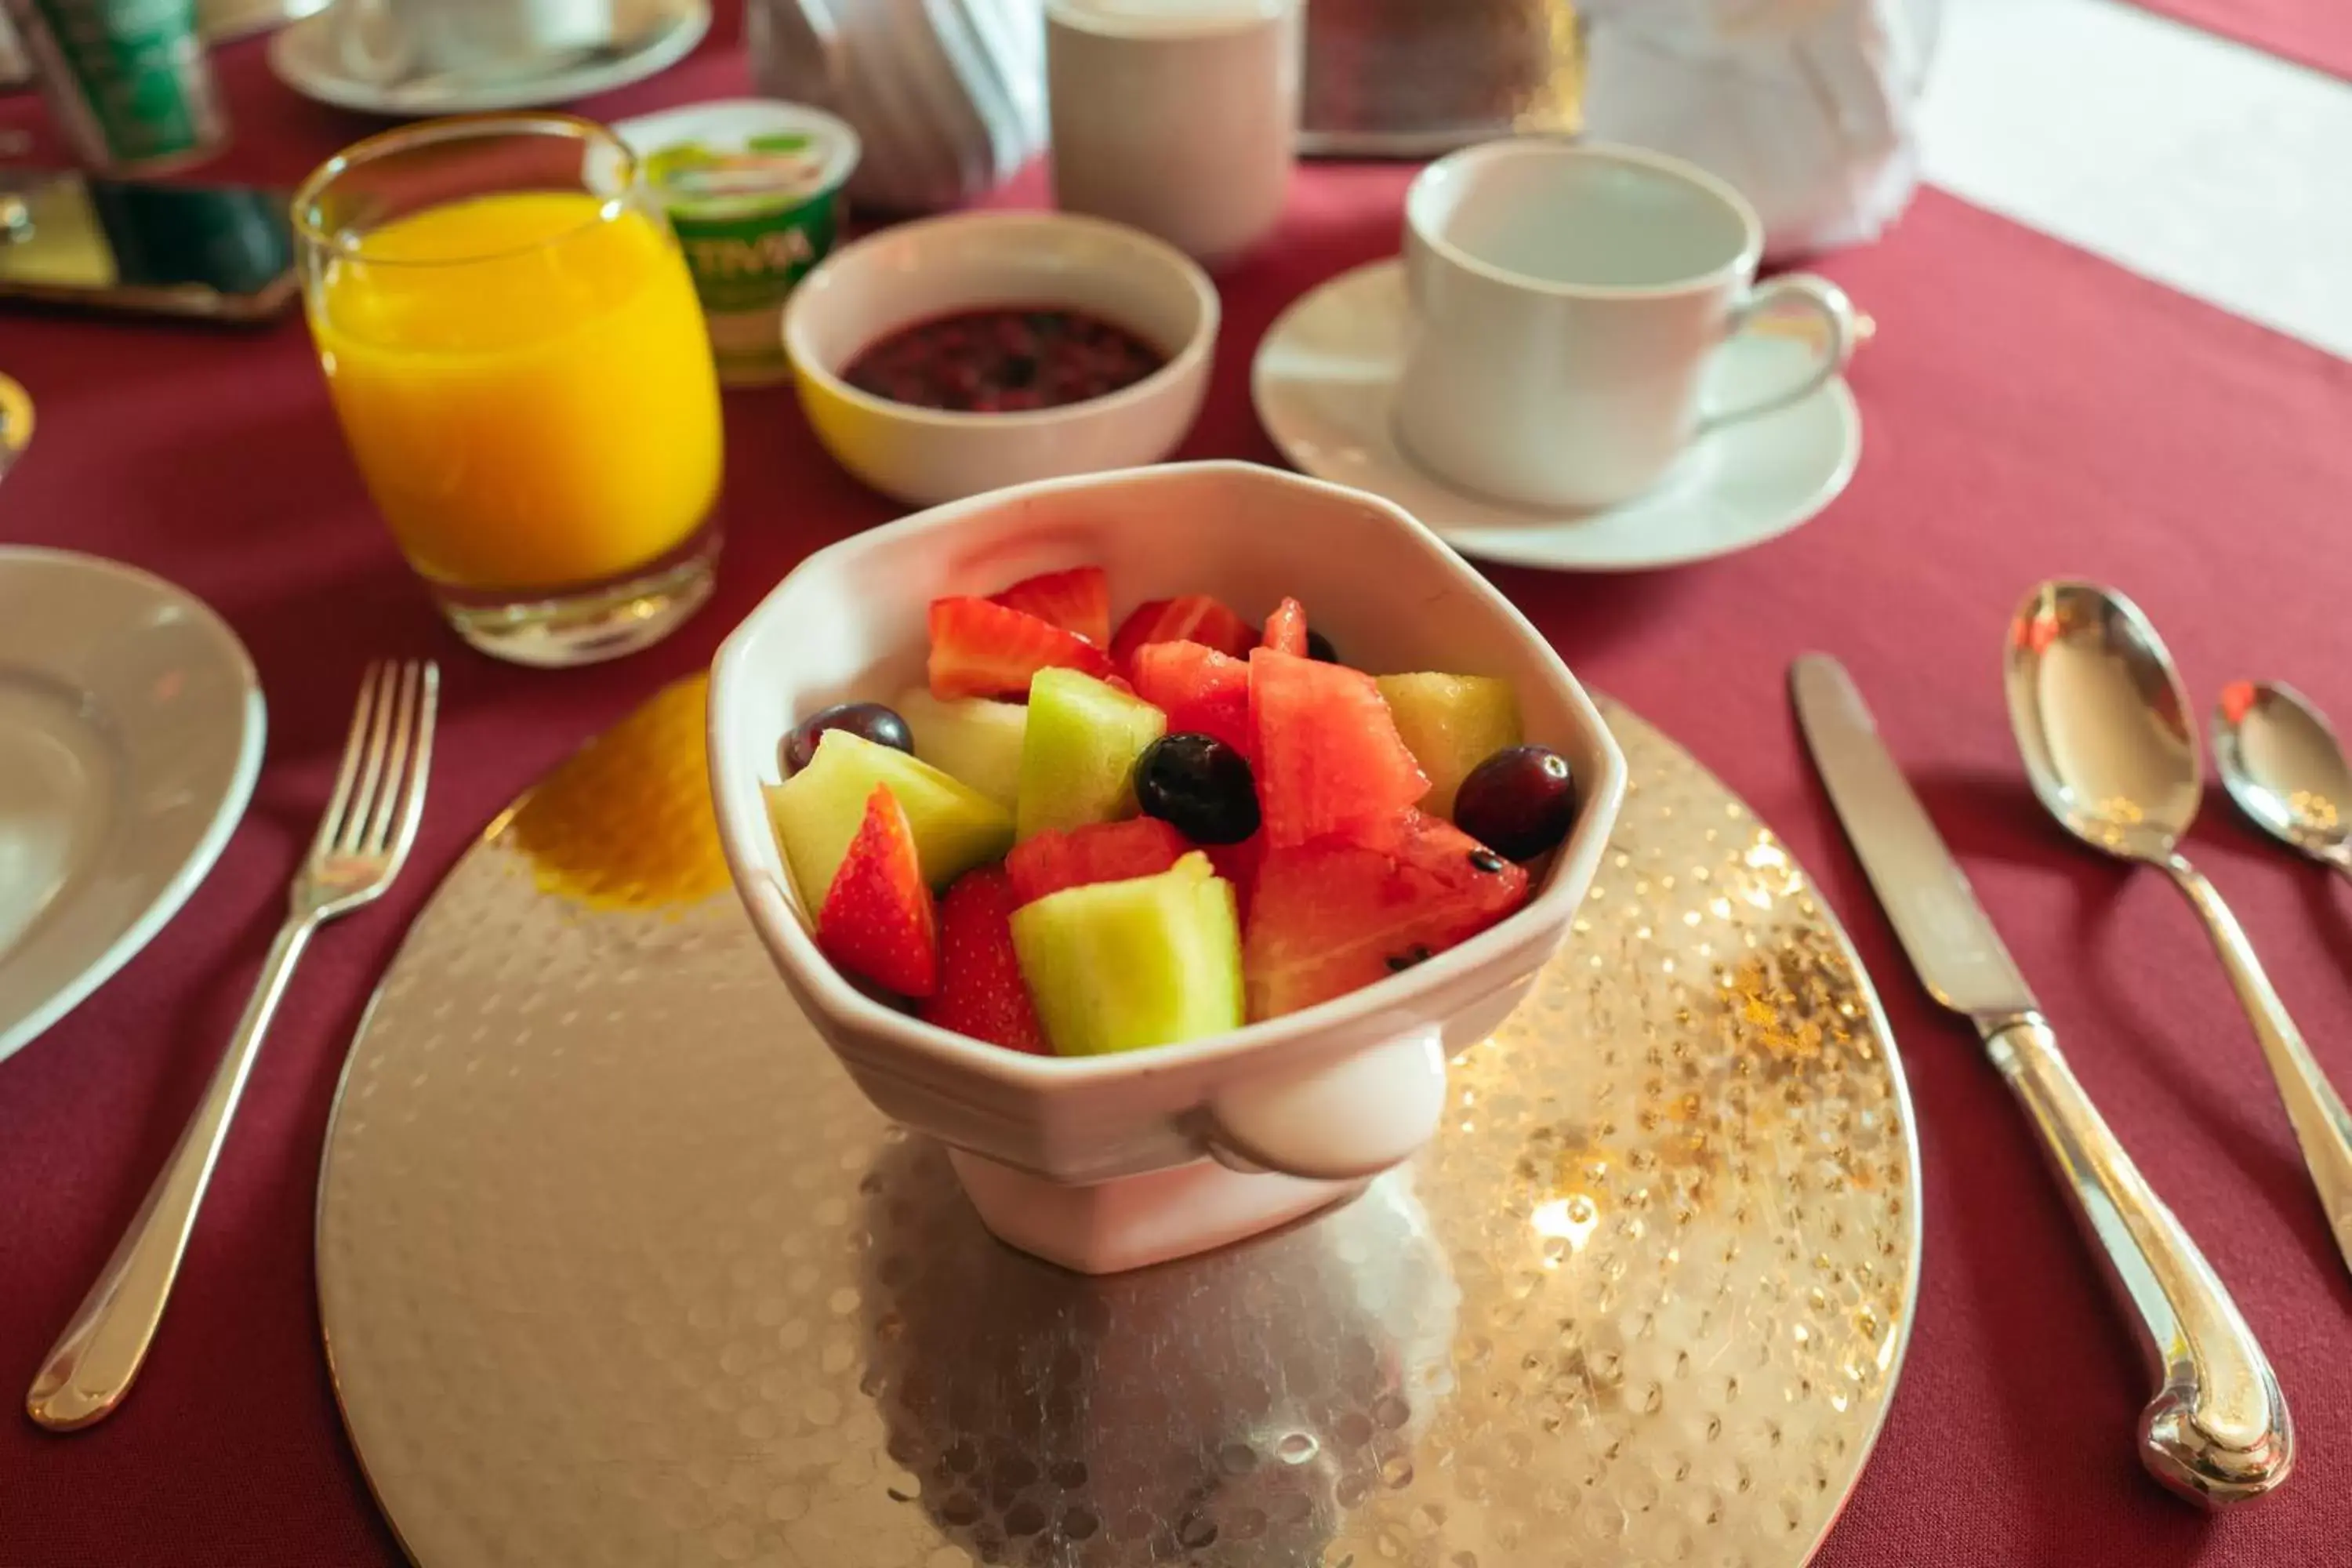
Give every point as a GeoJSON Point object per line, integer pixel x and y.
{"type": "Point", "coordinates": [513, 345]}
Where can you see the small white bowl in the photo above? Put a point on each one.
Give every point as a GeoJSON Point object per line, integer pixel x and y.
{"type": "Point", "coordinates": [1107, 1163]}
{"type": "Point", "coordinates": [973, 261]}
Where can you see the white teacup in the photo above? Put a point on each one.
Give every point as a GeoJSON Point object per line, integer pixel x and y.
{"type": "Point", "coordinates": [1566, 299]}
{"type": "Point", "coordinates": [385, 40]}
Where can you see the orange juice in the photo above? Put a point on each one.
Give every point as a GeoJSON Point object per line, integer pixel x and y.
{"type": "Point", "coordinates": [526, 383]}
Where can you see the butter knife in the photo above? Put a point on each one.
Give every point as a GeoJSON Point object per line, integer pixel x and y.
{"type": "Point", "coordinates": [2217, 1430]}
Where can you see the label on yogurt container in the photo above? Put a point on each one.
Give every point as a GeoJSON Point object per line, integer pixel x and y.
{"type": "Point", "coordinates": [754, 190]}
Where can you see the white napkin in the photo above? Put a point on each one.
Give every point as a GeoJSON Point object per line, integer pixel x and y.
{"type": "Point", "coordinates": [1808, 106]}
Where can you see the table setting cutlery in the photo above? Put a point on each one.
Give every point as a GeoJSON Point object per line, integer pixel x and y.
{"type": "Point", "coordinates": [362, 842]}
{"type": "Point", "coordinates": [2281, 761]}
{"type": "Point", "coordinates": [1355, 1180]}
{"type": "Point", "coordinates": [2217, 1430]}
{"type": "Point", "coordinates": [2102, 722]}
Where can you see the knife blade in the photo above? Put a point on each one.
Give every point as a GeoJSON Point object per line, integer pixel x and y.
{"type": "Point", "coordinates": [2217, 1430]}
{"type": "Point", "coordinates": [1935, 913]}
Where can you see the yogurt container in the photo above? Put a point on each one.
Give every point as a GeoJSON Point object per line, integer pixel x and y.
{"type": "Point", "coordinates": [753, 188]}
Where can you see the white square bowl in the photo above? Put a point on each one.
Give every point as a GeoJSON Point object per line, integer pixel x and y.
{"type": "Point", "coordinates": [1107, 1163]}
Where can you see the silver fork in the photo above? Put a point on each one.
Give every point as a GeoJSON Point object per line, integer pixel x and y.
{"type": "Point", "coordinates": [362, 841]}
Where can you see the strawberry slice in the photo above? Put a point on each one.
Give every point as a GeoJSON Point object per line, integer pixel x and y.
{"type": "Point", "coordinates": [1194, 617]}
{"type": "Point", "coordinates": [877, 922]}
{"type": "Point", "coordinates": [1203, 691]}
{"type": "Point", "coordinates": [1328, 759]}
{"type": "Point", "coordinates": [1285, 629]}
{"type": "Point", "coordinates": [980, 648]}
{"type": "Point", "coordinates": [1077, 601]}
{"type": "Point", "coordinates": [981, 991]}
{"type": "Point", "coordinates": [1099, 852]}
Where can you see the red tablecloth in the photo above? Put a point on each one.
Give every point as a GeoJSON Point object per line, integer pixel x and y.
{"type": "Point", "coordinates": [2316, 33]}
{"type": "Point", "coordinates": [2030, 411]}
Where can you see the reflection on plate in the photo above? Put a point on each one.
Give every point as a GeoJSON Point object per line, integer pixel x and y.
{"type": "Point", "coordinates": [650, 36]}
{"type": "Point", "coordinates": [1326, 376]}
{"type": "Point", "coordinates": [617, 1266]}
{"type": "Point", "coordinates": [130, 728]}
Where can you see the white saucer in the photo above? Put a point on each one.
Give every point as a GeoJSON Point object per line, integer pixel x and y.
{"type": "Point", "coordinates": [657, 33]}
{"type": "Point", "coordinates": [131, 726]}
{"type": "Point", "coordinates": [1327, 372]}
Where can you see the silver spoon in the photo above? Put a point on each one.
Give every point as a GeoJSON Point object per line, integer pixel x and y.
{"type": "Point", "coordinates": [2285, 769]}
{"type": "Point", "coordinates": [2102, 722]}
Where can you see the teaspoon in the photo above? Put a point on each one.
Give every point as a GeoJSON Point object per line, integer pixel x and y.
{"type": "Point", "coordinates": [2102, 720]}
{"type": "Point", "coordinates": [2285, 769]}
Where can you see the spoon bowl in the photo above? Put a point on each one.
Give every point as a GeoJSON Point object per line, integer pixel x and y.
{"type": "Point", "coordinates": [2102, 720]}
{"type": "Point", "coordinates": [2103, 724]}
{"type": "Point", "coordinates": [2284, 767]}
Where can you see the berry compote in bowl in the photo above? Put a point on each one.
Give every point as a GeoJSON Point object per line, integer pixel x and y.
{"type": "Point", "coordinates": [1153, 838]}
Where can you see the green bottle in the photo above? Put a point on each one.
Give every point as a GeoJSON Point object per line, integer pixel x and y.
{"type": "Point", "coordinates": [127, 79]}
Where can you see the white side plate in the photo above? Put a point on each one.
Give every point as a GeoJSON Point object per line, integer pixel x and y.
{"type": "Point", "coordinates": [130, 732]}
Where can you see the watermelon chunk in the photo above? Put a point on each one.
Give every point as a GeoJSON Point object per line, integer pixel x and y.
{"type": "Point", "coordinates": [1330, 916]}
{"type": "Point", "coordinates": [1193, 617]}
{"type": "Point", "coordinates": [1328, 757]}
{"type": "Point", "coordinates": [1285, 629]}
{"type": "Point", "coordinates": [1238, 864]}
{"type": "Point", "coordinates": [1099, 852]}
{"type": "Point", "coordinates": [1203, 691]}
{"type": "Point", "coordinates": [980, 648]}
{"type": "Point", "coordinates": [1077, 601]}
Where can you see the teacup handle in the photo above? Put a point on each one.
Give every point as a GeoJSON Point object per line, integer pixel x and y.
{"type": "Point", "coordinates": [1339, 1120]}
{"type": "Point", "coordinates": [1820, 297]}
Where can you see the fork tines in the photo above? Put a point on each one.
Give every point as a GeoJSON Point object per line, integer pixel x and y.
{"type": "Point", "coordinates": [379, 790]}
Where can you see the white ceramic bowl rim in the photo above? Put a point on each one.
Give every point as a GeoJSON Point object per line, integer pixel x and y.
{"type": "Point", "coordinates": [741, 812]}
{"type": "Point", "coordinates": [805, 361]}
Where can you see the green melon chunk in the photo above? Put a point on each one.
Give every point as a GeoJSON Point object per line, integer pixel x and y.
{"type": "Point", "coordinates": [1077, 761]}
{"type": "Point", "coordinates": [1117, 966]}
{"type": "Point", "coordinates": [970, 739]}
{"type": "Point", "coordinates": [815, 814]}
{"type": "Point", "coordinates": [1451, 724]}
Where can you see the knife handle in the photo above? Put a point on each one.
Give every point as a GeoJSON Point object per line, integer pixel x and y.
{"type": "Point", "coordinates": [2218, 1430]}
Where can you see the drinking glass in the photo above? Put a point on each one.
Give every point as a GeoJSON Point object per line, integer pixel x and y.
{"type": "Point", "coordinates": [512, 343]}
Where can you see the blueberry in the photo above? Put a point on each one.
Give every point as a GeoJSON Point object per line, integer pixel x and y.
{"type": "Point", "coordinates": [1320, 648]}
{"type": "Point", "coordinates": [1199, 786]}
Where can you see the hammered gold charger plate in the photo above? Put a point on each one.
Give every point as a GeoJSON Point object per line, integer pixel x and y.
{"type": "Point", "coordinates": [617, 1267]}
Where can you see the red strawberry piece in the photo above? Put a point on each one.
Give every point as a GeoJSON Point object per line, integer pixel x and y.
{"type": "Point", "coordinates": [1099, 852]}
{"type": "Point", "coordinates": [980, 648]}
{"type": "Point", "coordinates": [1203, 691]}
{"type": "Point", "coordinates": [1238, 864]}
{"type": "Point", "coordinates": [1330, 916]}
{"type": "Point", "coordinates": [1328, 759]}
{"type": "Point", "coordinates": [1077, 601]}
{"type": "Point", "coordinates": [877, 922]}
{"type": "Point", "coordinates": [1285, 629]}
{"type": "Point", "coordinates": [981, 991]}
{"type": "Point", "coordinates": [1194, 617]}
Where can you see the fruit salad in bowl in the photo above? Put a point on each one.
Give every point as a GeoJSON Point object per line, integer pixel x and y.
{"type": "Point", "coordinates": [1152, 839]}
